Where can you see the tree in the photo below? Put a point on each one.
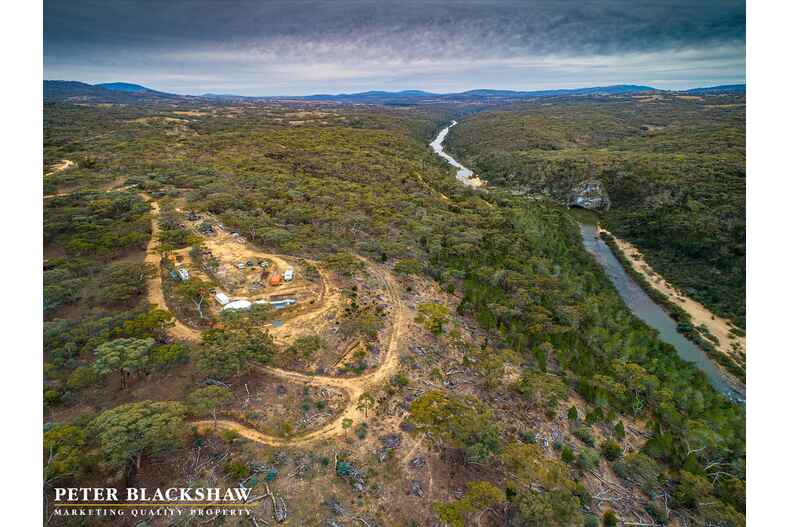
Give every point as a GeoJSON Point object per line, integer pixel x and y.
{"type": "Point", "coordinates": [555, 505]}
{"type": "Point", "coordinates": [64, 447]}
{"type": "Point", "coordinates": [461, 422]}
{"type": "Point", "coordinates": [609, 518]}
{"type": "Point", "coordinates": [209, 399]}
{"type": "Point", "coordinates": [692, 489]}
{"type": "Point", "coordinates": [122, 281]}
{"type": "Point", "coordinates": [573, 414]}
{"type": "Point", "coordinates": [347, 423]}
{"type": "Point", "coordinates": [127, 432]}
{"type": "Point", "coordinates": [365, 403]}
{"type": "Point", "coordinates": [433, 317]}
{"type": "Point", "coordinates": [480, 495]}
{"type": "Point", "coordinates": [152, 323]}
{"type": "Point", "coordinates": [127, 356]}
{"type": "Point", "coordinates": [611, 450]}
{"type": "Point", "coordinates": [82, 377]}
{"type": "Point", "coordinates": [225, 353]}
{"type": "Point", "coordinates": [195, 291]}
{"type": "Point", "coordinates": [619, 430]}
{"type": "Point", "coordinates": [306, 347]}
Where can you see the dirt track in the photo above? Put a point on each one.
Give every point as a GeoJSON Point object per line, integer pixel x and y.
{"type": "Point", "coordinates": [354, 387]}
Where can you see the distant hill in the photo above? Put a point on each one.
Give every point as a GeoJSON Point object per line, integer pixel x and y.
{"type": "Point", "coordinates": [123, 86]}
{"type": "Point", "coordinates": [114, 92]}
{"type": "Point", "coordinates": [129, 93]}
{"type": "Point", "coordinates": [724, 88]}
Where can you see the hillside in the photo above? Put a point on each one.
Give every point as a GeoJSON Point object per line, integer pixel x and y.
{"type": "Point", "coordinates": [451, 357]}
{"type": "Point", "coordinates": [673, 166]}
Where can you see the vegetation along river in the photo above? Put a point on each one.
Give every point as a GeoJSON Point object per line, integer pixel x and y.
{"type": "Point", "coordinates": [632, 294]}
{"type": "Point", "coordinates": [648, 311]}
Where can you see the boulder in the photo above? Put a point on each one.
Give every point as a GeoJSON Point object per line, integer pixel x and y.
{"type": "Point", "coordinates": [589, 194]}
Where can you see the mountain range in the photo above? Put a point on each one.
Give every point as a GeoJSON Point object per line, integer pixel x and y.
{"type": "Point", "coordinates": [123, 92]}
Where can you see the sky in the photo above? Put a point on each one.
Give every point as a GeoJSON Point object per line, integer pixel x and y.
{"type": "Point", "coordinates": [300, 47]}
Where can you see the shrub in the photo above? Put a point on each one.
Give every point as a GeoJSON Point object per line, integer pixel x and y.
{"type": "Point", "coordinates": [611, 450]}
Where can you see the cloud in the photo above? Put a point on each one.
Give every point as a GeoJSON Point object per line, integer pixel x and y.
{"type": "Point", "coordinates": [308, 46]}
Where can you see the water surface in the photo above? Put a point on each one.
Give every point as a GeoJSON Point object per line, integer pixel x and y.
{"type": "Point", "coordinates": [650, 312]}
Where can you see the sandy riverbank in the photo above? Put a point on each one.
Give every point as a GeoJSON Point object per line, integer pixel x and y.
{"type": "Point", "coordinates": [729, 343]}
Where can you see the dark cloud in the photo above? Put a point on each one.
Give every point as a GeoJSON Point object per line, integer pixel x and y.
{"type": "Point", "coordinates": [296, 46]}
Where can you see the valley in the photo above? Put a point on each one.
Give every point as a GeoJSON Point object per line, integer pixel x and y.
{"type": "Point", "coordinates": [452, 355]}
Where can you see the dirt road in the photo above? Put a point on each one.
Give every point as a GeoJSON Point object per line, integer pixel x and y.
{"type": "Point", "coordinates": [60, 167]}
{"type": "Point", "coordinates": [353, 387]}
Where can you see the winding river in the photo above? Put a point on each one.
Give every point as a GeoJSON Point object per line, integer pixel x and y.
{"type": "Point", "coordinates": [632, 294]}
{"type": "Point", "coordinates": [464, 175]}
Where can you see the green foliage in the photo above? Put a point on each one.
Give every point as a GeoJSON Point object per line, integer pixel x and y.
{"type": "Point", "coordinates": [619, 430]}
{"type": "Point", "coordinates": [480, 495]}
{"type": "Point", "coordinates": [692, 489]}
{"type": "Point", "coordinates": [584, 435]}
{"type": "Point", "coordinates": [127, 432]}
{"type": "Point", "coordinates": [611, 450]}
{"type": "Point", "coordinates": [127, 356]}
{"type": "Point", "coordinates": [542, 389]}
{"type": "Point", "coordinates": [609, 518]}
{"type": "Point", "coordinates": [344, 263]}
{"type": "Point", "coordinates": [433, 317]}
{"type": "Point", "coordinates": [96, 225]}
{"type": "Point", "coordinates": [169, 355]}
{"type": "Point", "coordinates": [554, 506]}
{"type": "Point", "coordinates": [308, 347]}
{"type": "Point", "coordinates": [587, 459]}
{"type": "Point", "coordinates": [408, 266]}
{"type": "Point", "coordinates": [674, 170]}
{"type": "Point", "coordinates": [82, 377]}
{"type": "Point", "coordinates": [122, 282]}
{"type": "Point", "coordinates": [209, 399]}
{"type": "Point", "coordinates": [64, 454]}
{"type": "Point", "coordinates": [225, 353]}
{"type": "Point", "coordinates": [236, 470]}
{"type": "Point", "coordinates": [460, 422]}
{"type": "Point", "coordinates": [573, 414]}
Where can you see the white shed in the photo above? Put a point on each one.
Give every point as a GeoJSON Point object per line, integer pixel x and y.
{"type": "Point", "coordinates": [238, 304]}
{"type": "Point", "coordinates": [222, 298]}
{"type": "Point", "coordinates": [288, 275]}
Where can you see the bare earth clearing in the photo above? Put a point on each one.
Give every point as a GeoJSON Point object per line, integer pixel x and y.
{"type": "Point", "coordinates": [353, 387]}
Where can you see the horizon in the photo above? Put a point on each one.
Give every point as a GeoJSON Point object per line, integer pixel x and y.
{"type": "Point", "coordinates": [302, 48]}
{"type": "Point", "coordinates": [427, 91]}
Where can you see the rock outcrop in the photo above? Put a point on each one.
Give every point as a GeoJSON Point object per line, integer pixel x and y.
{"type": "Point", "coordinates": [589, 194]}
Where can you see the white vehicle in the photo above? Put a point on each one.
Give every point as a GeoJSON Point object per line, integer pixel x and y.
{"type": "Point", "coordinates": [288, 275]}
{"type": "Point", "coordinates": [183, 273]}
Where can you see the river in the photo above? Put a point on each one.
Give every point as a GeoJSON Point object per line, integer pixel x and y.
{"type": "Point", "coordinates": [650, 312]}
{"type": "Point", "coordinates": [464, 175]}
{"type": "Point", "coordinates": [632, 294]}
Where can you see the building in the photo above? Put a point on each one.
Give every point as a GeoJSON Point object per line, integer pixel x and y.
{"type": "Point", "coordinates": [222, 298]}
{"type": "Point", "coordinates": [276, 279]}
{"type": "Point", "coordinates": [183, 274]}
{"type": "Point", "coordinates": [238, 304]}
{"type": "Point", "coordinates": [288, 275]}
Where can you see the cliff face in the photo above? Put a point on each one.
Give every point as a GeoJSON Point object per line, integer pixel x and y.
{"type": "Point", "coordinates": [589, 194]}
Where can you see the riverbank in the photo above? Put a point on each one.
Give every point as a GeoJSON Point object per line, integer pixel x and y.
{"type": "Point", "coordinates": [718, 337]}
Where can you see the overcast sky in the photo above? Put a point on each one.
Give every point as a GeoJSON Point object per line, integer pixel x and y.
{"type": "Point", "coordinates": [298, 47]}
